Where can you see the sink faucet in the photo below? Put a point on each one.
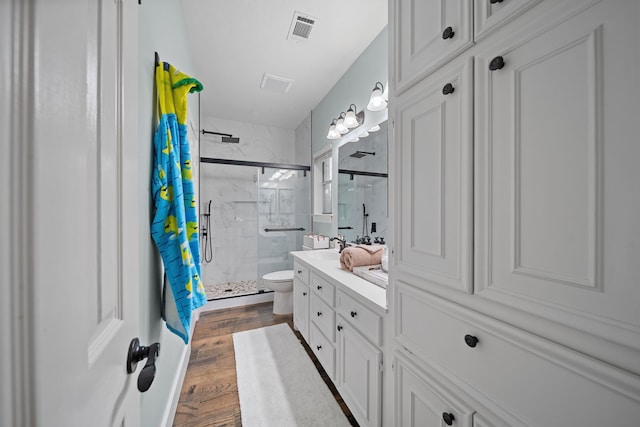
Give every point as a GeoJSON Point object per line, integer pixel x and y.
{"type": "Point", "coordinates": [341, 241]}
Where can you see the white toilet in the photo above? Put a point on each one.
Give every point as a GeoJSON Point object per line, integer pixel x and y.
{"type": "Point", "coordinates": [281, 283]}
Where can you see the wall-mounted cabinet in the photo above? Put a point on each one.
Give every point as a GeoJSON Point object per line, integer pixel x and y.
{"type": "Point", "coordinates": [516, 217]}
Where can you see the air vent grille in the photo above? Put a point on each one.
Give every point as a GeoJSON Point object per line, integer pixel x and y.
{"type": "Point", "coordinates": [274, 83]}
{"type": "Point", "coordinates": [301, 27]}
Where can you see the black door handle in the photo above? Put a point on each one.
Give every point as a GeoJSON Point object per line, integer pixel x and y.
{"type": "Point", "coordinates": [137, 353]}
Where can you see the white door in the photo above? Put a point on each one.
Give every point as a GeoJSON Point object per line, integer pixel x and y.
{"type": "Point", "coordinates": [74, 189]}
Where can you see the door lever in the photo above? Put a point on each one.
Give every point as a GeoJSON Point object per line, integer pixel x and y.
{"type": "Point", "coordinates": [136, 354]}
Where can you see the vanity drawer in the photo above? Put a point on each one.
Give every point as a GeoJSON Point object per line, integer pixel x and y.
{"type": "Point", "coordinates": [324, 351]}
{"type": "Point", "coordinates": [300, 272]}
{"type": "Point", "coordinates": [323, 288]}
{"type": "Point", "coordinates": [505, 359]}
{"type": "Point", "coordinates": [362, 318]}
{"type": "Point", "coordinates": [323, 316]}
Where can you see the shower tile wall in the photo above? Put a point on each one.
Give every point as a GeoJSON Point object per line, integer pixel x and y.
{"type": "Point", "coordinates": [233, 194]}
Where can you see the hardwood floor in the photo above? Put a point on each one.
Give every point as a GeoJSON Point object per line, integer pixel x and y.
{"type": "Point", "coordinates": [209, 395]}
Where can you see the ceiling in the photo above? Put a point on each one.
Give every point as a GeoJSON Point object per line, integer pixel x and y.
{"type": "Point", "coordinates": [235, 42]}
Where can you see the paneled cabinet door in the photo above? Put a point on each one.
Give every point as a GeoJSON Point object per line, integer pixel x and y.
{"type": "Point", "coordinates": [301, 308]}
{"type": "Point", "coordinates": [423, 402]}
{"type": "Point", "coordinates": [557, 230]}
{"type": "Point", "coordinates": [359, 374]}
{"type": "Point", "coordinates": [434, 195]}
{"type": "Point", "coordinates": [428, 33]}
{"type": "Point", "coordinates": [489, 15]}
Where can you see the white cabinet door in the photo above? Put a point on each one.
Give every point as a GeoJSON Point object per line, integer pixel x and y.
{"type": "Point", "coordinates": [359, 374]}
{"type": "Point", "coordinates": [301, 298]}
{"type": "Point", "coordinates": [490, 15]}
{"type": "Point", "coordinates": [426, 34]}
{"type": "Point", "coordinates": [434, 183]}
{"type": "Point", "coordinates": [423, 402]}
{"type": "Point", "coordinates": [557, 175]}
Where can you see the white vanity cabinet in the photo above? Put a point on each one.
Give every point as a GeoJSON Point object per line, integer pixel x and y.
{"type": "Point", "coordinates": [346, 323]}
{"type": "Point", "coordinates": [301, 298]}
{"type": "Point", "coordinates": [516, 219]}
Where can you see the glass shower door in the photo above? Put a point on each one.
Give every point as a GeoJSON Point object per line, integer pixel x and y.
{"type": "Point", "coordinates": [284, 215]}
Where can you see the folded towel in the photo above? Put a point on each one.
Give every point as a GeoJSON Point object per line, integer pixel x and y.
{"type": "Point", "coordinates": [357, 256]}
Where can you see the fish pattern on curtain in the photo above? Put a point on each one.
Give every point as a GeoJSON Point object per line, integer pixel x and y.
{"type": "Point", "coordinates": [175, 224]}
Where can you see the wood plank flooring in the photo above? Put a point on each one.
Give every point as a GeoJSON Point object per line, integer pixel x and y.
{"type": "Point", "coordinates": [209, 395]}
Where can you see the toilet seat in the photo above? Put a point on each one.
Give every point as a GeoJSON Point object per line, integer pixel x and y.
{"type": "Point", "coordinates": [278, 276]}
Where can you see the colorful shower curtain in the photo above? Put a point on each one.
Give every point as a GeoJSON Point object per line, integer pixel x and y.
{"type": "Point", "coordinates": [175, 223]}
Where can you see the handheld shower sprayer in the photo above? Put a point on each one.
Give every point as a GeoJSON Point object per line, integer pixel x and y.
{"type": "Point", "coordinates": [207, 249]}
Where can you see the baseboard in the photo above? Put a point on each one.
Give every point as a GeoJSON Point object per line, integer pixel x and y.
{"type": "Point", "coordinates": [170, 414]}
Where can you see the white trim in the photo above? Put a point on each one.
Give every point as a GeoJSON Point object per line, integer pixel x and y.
{"type": "Point", "coordinates": [174, 398]}
{"type": "Point", "coordinates": [16, 359]}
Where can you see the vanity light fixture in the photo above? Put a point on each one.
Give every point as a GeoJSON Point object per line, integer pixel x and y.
{"type": "Point", "coordinates": [333, 133]}
{"type": "Point", "coordinates": [340, 125]}
{"type": "Point", "coordinates": [350, 120]}
{"type": "Point", "coordinates": [377, 101]}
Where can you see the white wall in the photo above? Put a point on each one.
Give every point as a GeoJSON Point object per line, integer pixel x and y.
{"type": "Point", "coordinates": [162, 30]}
{"type": "Point", "coordinates": [303, 142]}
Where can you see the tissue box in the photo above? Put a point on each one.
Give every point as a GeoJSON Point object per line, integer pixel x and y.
{"type": "Point", "coordinates": [316, 242]}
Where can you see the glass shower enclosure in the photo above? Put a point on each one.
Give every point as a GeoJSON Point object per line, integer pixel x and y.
{"type": "Point", "coordinates": [257, 214]}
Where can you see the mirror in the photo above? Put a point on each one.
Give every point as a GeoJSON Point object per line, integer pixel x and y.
{"type": "Point", "coordinates": [362, 188]}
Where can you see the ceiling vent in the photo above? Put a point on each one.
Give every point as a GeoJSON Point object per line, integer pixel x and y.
{"type": "Point", "coordinates": [275, 83]}
{"type": "Point", "coordinates": [301, 27]}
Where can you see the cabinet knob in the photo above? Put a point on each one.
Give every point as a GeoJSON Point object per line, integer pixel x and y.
{"type": "Point", "coordinates": [339, 327]}
{"type": "Point", "coordinates": [319, 313]}
{"type": "Point", "coordinates": [319, 347]}
{"type": "Point", "coordinates": [354, 314]}
{"type": "Point", "coordinates": [496, 63]}
{"type": "Point", "coordinates": [299, 271]}
{"type": "Point", "coordinates": [448, 33]}
{"type": "Point", "coordinates": [495, 1]}
{"type": "Point", "coordinates": [448, 418]}
{"type": "Point", "coordinates": [471, 340]}
{"type": "Point", "coordinates": [447, 89]}
{"type": "Point", "coordinates": [304, 294]}
{"type": "Point", "coordinates": [319, 287]}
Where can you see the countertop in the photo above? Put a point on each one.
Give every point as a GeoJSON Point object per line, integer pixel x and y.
{"type": "Point", "coordinates": [327, 261]}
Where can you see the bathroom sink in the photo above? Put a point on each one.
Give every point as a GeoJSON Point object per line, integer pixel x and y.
{"type": "Point", "coordinates": [324, 255]}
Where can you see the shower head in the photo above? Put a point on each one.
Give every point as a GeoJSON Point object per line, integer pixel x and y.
{"type": "Point", "coordinates": [359, 154]}
{"type": "Point", "coordinates": [226, 137]}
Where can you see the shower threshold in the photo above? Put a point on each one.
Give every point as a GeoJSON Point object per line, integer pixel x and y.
{"type": "Point", "coordinates": [233, 289]}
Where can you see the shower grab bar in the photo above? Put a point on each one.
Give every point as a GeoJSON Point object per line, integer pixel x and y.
{"type": "Point", "coordinates": [283, 229]}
